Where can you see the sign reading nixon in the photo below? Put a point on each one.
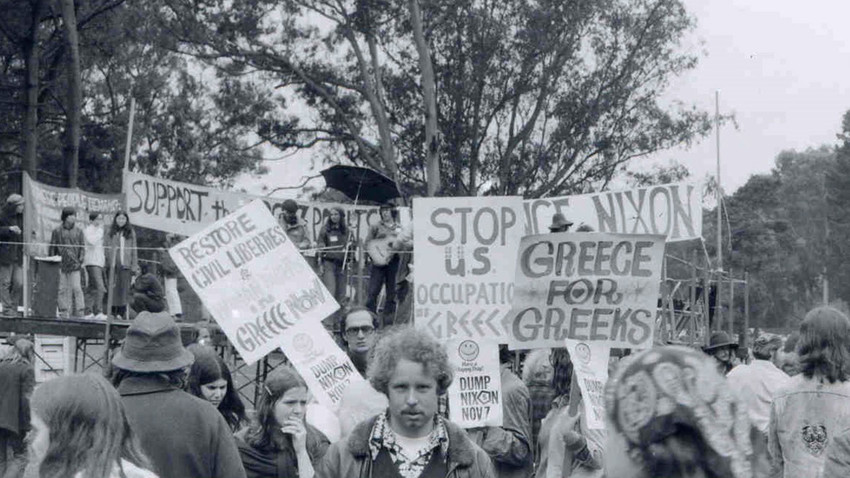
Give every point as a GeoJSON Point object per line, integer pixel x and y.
{"type": "Point", "coordinates": [588, 287]}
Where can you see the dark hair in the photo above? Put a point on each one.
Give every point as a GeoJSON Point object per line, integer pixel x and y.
{"type": "Point", "coordinates": [341, 226]}
{"type": "Point", "coordinates": [791, 342]}
{"type": "Point", "coordinates": [562, 371]}
{"type": "Point", "coordinates": [682, 454]}
{"type": "Point", "coordinates": [89, 430]}
{"type": "Point", "coordinates": [824, 345]}
{"type": "Point", "coordinates": [505, 355]}
{"type": "Point", "coordinates": [93, 215]}
{"type": "Point", "coordinates": [67, 212]}
{"type": "Point", "coordinates": [126, 231]}
{"type": "Point", "coordinates": [209, 367]}
{"type": "Point", "coordinates": [343, 317]}
{"type": "Point", "coordinates": [412, 344]}
{"type": "Point", "coordinates": [393, 211]}
{"type": "Point", "coordinates": [280, 381]}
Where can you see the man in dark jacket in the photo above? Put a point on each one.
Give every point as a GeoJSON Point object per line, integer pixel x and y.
{"type": "Point", "coordinates": [184, 436]}
{"type": "Point", "coordinates": [11, 254]}
{"type": "Point", "coordinates": [410, 439]}
{"type": "Point", "coordinates": [69, 243]}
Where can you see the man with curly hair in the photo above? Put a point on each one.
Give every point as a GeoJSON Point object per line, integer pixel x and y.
{"type": "Point", "coordinates": [410, 439]}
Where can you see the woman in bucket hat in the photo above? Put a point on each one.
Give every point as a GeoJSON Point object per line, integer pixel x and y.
{"type": "Point", "coordinates": [722, 348]}
{"type": "Point", "coordinates": [184, 436]}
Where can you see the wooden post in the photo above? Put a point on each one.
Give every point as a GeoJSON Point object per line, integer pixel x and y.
{"type": "Point", "coordinates": [664, 300]}
{"type": "Point", "coordinates": [693, 300]}
{"type": "Point", "coordinates": [707, 306]}
{"type": "Point", "coordinates": [107, 337]}
{"type": "Point", "coordinates": [731, 304]}
{"type": "Point", "coordinates": [746, 308]}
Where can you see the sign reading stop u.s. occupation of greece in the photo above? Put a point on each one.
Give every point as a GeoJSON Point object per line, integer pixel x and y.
{"type": "Point", "coordinates": [586, 287]}
{"type": "Point", "coordinates": [252, 279]}
{"type": "Point", "coordinates": [464, 251]}
{"type": "Point", "coordinates": [475, 396]}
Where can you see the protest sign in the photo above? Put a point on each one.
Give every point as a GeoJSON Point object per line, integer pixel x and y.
{"type": "Point", "coordinates": [590, 365]}
{"type": "Point", "coordinates": [475, 395]}
{"type": "Point", "coordinates": [44, 205]}
{"type": "Point", "coordinates": [464, 251]}
{"type": "Point", "coordinates": [324, 366]}
{"type": "Point", "coordinates": [586, 286]}
{"type": "Point", "coordinates": [671, 210]}
{"type": "Point", "coordinates": [185, 209]}
{"type": "Point", "coordinates": [252, 279]}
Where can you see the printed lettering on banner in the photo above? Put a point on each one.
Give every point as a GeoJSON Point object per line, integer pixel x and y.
{"type": "Point", "coordinates": [43, 210]}
{"type": "Point", "coordinates": [475, 395]}
{"type": "Point", "coordinates": [326, 368]}
{"type": "Point", "coordinates": [586, 286]}
{"type": "Point", "coordinates": [670, 210]}
{"type": "Point", "coordinates": [464, 251]}
{"type": "Point", "coordinates": [252, 279]}
{"type": "Point", "coordinates": [590, 364]}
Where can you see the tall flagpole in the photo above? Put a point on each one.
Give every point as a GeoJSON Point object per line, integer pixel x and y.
{"type": "Point", "coordinates": [719, 187]}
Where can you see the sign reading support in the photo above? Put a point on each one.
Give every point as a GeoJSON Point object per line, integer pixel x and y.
{"type": "Point", "coordinates": [588, 287]}
{"type": "Point", "coordinates": [252, 279]}
{"type": "Point", "coordinates": [475, 396]}
{"type": "Point", "coordinates": [590, 364]}
{"type": "Point", "coordinates": [464, 251]}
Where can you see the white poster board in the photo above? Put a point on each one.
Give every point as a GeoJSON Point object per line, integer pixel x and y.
{"type": "Point", "coordinates": [590, 365]}
{"type": "Point", "coordinates": [252, 279]}
{"type": "Point", "coordinates": [475, 396]}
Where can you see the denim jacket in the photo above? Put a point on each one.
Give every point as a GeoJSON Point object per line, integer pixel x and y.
{"type": "Point", "coordinates": [805, 417]}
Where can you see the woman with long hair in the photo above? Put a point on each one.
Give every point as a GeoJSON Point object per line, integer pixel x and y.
{"type": "Point", "coordinates": [80, 430]}
{"type": "Point", "coordinates": [210, 379]}
{"type": "Point", "coordinates": [122, 255]}
{"type": "Point", "coordinates": [280, 442]}
{"type": "Point", "coordinates": [670, 413]}
{"type": "Point", "coordinates": [333, 239]}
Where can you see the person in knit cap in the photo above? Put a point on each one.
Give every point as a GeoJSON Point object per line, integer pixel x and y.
{"type": "Point", "coordinates": [69, 243]}
{"type": "Point", "coordinates": [184, 436]}
{"type": "Point", "coordinates": [11, 253]}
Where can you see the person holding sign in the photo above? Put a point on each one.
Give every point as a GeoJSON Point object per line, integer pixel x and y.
{"type": "Point", "coordinates": [409, 440]}
{"type": "Point", "coordinates": [385, 262]}
{"type": "Point", "coordinates": [280, 442]}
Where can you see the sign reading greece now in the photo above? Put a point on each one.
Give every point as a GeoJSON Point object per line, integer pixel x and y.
{"type": "Point", "coordinates": [464, 249]}
{"type": "Point", "coordinates": [475, 395]}
{"type": "Point", "coordinates": [670, 210]}
{"type": "Point", "coordinates": [252, 279]}
{"type": "Point", "coordinates": [587, 287]}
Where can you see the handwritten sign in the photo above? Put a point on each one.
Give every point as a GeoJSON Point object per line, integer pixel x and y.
{"type": "Point", "coordinates": [475, 396]}
{"type": "Point", "coordinates": [324, 366]}
{"type": "Point", "coordinates": [670, 210]}
{"type": "Point", "coordinates": [586, 286]}
{"type": "Point", "coordinates": [590, 364]}
{"type": "Point", "coordinates": [252, 279]}
{"type": "Point", "coordinates": [464, 251]}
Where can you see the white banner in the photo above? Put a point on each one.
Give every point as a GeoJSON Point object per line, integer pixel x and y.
{"type": "Point", "coordinates": [590, 364]}
{"type": "Point", "coordinates": [475, 396]}
{"type": "Point", "coordinates": [327, 370]}
{"type": "Point", "coordinates": [252, 279]}
{"type": "Point", "coordinates": [464, 251]}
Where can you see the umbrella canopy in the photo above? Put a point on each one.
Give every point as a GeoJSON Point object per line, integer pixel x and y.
{"type": "Point", "coordinates": [361, 184]}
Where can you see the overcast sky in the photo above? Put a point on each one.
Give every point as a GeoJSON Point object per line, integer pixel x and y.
{"type": "Point", "coordinates": [781, 66]}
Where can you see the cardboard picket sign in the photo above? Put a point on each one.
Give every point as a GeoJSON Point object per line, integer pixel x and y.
{"type": "Point", "coordinates": [475, 395]}
{"type": "Point", "coordinates": [325, 367]}
{"type": "Point", "coordinates": [252, 279]}
{"type": "Point", "coordinates": [590, 369]}
{"type": "Point", "coordinates": [586, 286]}
{"type": "Point", "coordinates": [464, 251]}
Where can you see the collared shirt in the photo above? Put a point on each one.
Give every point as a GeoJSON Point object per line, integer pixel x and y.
{"type": "Point", "coordinates": [383, 437]}
{"type": "Point", "coordinates": [756, 384]}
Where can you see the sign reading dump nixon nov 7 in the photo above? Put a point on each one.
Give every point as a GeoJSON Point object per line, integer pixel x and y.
{"type": "Point", "coordinates": [252, 279]}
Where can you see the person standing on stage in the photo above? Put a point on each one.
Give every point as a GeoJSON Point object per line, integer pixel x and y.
{"type": "Point", "coordinates": [296, 230]}
{"type": "Point", "coordinates": [122, 255]}
{"type": "Point", "coordinates": [333, 240]}
{"type": "Point", "coordinates": [383, 276]}
{"type": "Point", "coordinates": [171, 275]}
{"type": "Point", "coordinates": [94, 263]}
{"type": "Point", "coordinates": [68, 242]}
{"type": "Point", "coordinates": [11, 253]}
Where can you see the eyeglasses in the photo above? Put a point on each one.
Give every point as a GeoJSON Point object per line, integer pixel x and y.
{"type": "Point", "coordinates": [366, 330]}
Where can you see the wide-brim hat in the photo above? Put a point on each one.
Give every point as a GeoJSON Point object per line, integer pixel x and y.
{"type": "Point", "coordinates": [559, 221]}
{"type": "Point", "coordinates": [719, 340]}
{"type": "Point", "coordinates": [153, 344]}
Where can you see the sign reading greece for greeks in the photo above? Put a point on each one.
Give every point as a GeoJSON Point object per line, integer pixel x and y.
{"type": "Point", "coordinates": [252, 279]}
{"type": "Point", "coordinates": [590, 364]}
{"type": "Point", "coordinates": [475, 395]}
{"type": "Point", "coordinates": [327, 370]}
{"type": "Point", "coordinates": [464, 249]}
{"type": "Point", "coordinates": [670, 210]}
{"type": "Point", "coordinates": [588, 287]}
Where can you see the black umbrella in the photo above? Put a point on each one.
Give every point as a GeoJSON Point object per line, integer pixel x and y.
{"type": "Point", "coordinates": [361, 184]}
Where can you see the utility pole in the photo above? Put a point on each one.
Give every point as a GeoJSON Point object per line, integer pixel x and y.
{"type": "Point", "coordinates": [718, 309]}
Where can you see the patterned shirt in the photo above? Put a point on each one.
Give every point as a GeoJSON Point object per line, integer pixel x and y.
{"type": "Point", "coordinates": [383, 437]}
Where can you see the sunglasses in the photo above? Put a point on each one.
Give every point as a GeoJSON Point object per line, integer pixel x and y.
{"type": "Point", "coordinates": [355, 331]}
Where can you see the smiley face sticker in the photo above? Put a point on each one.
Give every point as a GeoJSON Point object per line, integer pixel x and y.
{"type": "Point", "coordinates": [583, 353]}
{"type": "Point", "coordinates": [468, 350]}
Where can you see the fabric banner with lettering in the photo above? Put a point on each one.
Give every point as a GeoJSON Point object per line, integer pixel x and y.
{"type": "Point", "coordinates": [586, 286]}
{"type": "Point", "coordinates": [43, 210]}
{"type": "Point", "coordinates": [252, 279]}
{"type": "Point", "coordinates": [590, 364]}
{"type": "Point", "coordinates": [671, 210]}
{"type": "Point", "coordinates": [475, 395]}
{"type": "Point", "coordinates": [464, 249]}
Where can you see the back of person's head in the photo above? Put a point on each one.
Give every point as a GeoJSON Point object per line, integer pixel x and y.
{"type": "Point", "coordinates": [765, 345]}
{"type": "Point", "coordinates": [824, 345]}
{"type": "Point", "coordinates": [20, 350]}
{"type": "Point", "coordinates": [411, 344]}
{"type": "Point", "coordinates": [87, 427]}
{"type": "Point", "coordinates": [278, 382]}
{"type": "Point", "coordinates": [562, 371]}
{"type": "Point", "coordinates": [207, 368]}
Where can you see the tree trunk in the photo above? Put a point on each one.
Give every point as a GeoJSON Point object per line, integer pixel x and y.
{"type": "Point", "coordinates": [429, 93]}
{"type": "Point", "coordinates": [30, 127]}
{"type": "Point", "coordinates": [71, 151]}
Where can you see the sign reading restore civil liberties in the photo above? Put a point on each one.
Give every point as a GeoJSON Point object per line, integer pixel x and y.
{"type": "Point", "coordinates": [475, 395]}
{"type": "Point", "coordinates": [464, 249]}
{"type": "Point", "coordinates": [590, 364]}
{"type": "Point", "coordinates": [325, 367]}
{"type": "Point", "coordinates": [252, 279]}
{"type": "Point", "coordinates": [588, 287]}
